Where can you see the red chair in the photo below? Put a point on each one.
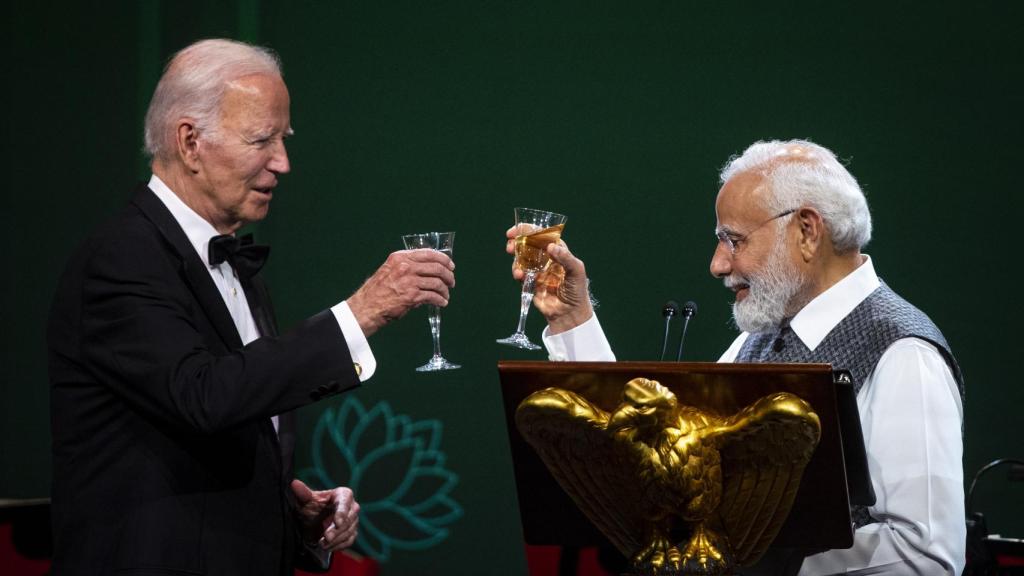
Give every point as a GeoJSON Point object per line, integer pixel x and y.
{"type": "Point", "coordinates": [348, 564]}
{"type": "Point", "coordinates": [13, 562]}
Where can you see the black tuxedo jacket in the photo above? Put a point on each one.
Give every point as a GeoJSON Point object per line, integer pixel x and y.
{"type": "Point", "coordinates": [165, 460]}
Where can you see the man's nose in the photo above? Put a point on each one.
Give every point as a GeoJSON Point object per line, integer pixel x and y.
{"type": "Point", "coordinates": [721, 261]}
{"type": "Point", "coordinates": [279, 161]}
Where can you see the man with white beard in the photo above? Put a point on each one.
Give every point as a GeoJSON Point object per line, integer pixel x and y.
{"type": "Point", "coordinates": [791, 224]}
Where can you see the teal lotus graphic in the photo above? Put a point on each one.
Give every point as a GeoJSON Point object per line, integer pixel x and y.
{"type": "Point", "coordinates": [396, 468]}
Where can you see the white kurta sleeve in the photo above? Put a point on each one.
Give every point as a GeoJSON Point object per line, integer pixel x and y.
{"type": "Point", "coordinates": [584, 343]}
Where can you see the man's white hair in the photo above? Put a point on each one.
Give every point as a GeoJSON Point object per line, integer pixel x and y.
{"type": "Point", "coordinates": [802, 173]}
{"type": "Point", "coordinates": [193, 86]}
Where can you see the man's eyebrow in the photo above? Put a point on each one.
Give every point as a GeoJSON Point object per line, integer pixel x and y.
{"type": "Point", "coordinates": [266, 134]}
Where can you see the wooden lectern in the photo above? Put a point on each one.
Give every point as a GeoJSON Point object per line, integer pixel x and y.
{"type": "Point", "coordinates": [836, 475]}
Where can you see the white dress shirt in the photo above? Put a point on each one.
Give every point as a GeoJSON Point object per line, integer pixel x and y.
{"type": "Point", "coordinates": [911, 416]}
{"type": "Point", "coordinates": [199, 233]}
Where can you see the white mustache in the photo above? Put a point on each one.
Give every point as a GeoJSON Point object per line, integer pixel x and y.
{"type": "Point", "coordinates": [731, 282]}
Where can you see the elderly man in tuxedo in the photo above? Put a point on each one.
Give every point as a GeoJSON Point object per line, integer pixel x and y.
{"type": "Point", "coordinates": [791, 225]}
{"type": "Point", "coordinates": [171, 389]}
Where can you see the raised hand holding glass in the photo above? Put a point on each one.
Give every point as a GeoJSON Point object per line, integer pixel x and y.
{"type": "Point", "coordinates": [536, 230]}
{"type": "Point", "coordinates": [442, 242]}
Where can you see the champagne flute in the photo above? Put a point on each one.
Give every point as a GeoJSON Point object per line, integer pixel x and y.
{"type": "Point", "coordinates": [537, 229]}
{"type": "Point", "coordinates": [442, 242]}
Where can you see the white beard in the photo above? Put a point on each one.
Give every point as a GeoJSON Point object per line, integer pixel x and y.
{"type": "Point", "coordinates": [772, 291]}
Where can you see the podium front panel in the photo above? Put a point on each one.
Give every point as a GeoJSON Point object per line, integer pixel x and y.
{"type": "Point", "coordinates": [820, 517]}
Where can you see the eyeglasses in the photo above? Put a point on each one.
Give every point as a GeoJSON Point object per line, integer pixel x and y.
{"type": "Point", "coordinates": [733, 241]}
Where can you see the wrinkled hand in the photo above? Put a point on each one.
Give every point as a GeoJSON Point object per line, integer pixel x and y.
{"type": "Point", "coordinates": [328, 517]}
{"type": "Point", "coordinates": [562, 292]}
{"type": "Point", "coordinates": [407, 279]}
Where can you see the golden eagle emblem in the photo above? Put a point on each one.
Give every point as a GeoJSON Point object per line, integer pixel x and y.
{"type": "Point", "coordinates": [676, 489]}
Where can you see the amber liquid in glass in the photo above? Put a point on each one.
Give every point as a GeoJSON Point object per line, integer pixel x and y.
{"type": "Point", "coordinates": [531, 249]}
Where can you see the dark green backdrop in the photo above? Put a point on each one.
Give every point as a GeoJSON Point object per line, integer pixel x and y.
{"type": "Point", "coordinates": [412, 116]}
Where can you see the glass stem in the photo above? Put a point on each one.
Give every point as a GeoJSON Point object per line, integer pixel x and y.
{"type": "Point", "coordinates": [435, 329]}
{"type": "Point", "coordinates": [525, 299]}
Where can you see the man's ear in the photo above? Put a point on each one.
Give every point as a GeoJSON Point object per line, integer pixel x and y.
{"type": "Point", "coordinates": [186, 138]}
{"type": "Point", "coordinates": [812, 232]}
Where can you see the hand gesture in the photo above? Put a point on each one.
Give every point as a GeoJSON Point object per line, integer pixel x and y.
{"type": "Point", "coordinates": [406, 280]}
{"type": "Point", "coordinates": [328, 517]}
{"type": "Point", "coordinates": [562, 293]}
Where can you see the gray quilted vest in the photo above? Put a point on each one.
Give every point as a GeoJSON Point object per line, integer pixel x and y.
{"type": "Point", "coordinates": [855, 344]}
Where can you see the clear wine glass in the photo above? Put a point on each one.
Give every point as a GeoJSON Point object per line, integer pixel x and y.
{"type": "Point", "coordinates": [537, 229]}
{"type": "Point", "coordinates": [442, 242]}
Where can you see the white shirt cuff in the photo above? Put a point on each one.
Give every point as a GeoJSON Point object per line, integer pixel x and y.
{"type": "Point", "coordinates": [358, 347]}
{"type": "Point", "coordinates": [584, 343]}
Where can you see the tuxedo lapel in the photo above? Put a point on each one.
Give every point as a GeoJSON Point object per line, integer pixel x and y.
{"type": "Point", "coordinates": [263, 314]}
{"type": "Point", "coordinates": [259, 304]}
{"type": "Point", "coordinates": [192, 268]}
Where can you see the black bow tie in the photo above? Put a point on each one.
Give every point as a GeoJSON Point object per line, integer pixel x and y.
{"type": "Point", "coordinates": [244, 256]}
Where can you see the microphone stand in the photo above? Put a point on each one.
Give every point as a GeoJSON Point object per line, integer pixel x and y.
{"type": "Point", "coordinates": [669, 310]}
{"type": "Point", "coordinates": [689, 309]}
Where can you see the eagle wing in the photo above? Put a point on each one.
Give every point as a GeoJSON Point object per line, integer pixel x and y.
{"type": "Point", "coordinates": [568, 432]}
{"type": "Point", "coordinates": [764, 450]}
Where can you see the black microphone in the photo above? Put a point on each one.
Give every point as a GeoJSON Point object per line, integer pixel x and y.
{"type": "Point", "coordinates": [669, 311]}
{"type": "Point", "coordinates": [689, 311]}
